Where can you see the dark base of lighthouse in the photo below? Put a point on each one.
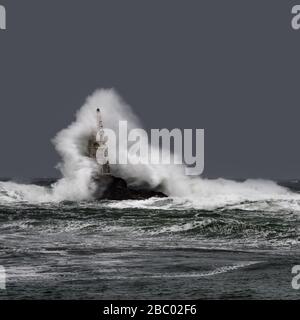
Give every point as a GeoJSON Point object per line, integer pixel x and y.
{"type": "Point", "coordinates": [115, 188]}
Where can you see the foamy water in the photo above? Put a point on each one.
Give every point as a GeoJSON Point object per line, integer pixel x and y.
{"type": "Point", "coordinates": [186, 192]}
{"type": "Point", "coordinates": [59, 242]}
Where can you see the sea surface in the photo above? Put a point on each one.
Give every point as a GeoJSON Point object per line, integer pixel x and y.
{"type": "Point", "coordinates": [151, 249]}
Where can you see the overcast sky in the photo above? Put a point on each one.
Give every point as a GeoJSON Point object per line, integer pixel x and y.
{"type": "Point", "coordinates": [230, 67]}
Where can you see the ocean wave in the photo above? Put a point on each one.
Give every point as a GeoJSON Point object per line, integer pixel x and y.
{"type": "Point", "coordinates": [287, 202]}
{"type": "Point", "coordinates": [210, 273]}
{"type": "Point", "coordinates": [187, 192]}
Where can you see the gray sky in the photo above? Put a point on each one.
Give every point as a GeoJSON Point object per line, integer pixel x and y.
{"type": "Point", "coordinates": [230, 67]}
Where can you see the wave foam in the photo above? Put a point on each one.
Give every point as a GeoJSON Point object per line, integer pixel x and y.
{"type": "Point", "coordinates": [186, 192]}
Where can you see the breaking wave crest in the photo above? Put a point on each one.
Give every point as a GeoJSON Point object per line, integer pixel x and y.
{"type": "Point", "coordinates": [185, 192]}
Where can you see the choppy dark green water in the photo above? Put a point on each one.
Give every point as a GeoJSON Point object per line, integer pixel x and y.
{"type": "Point", "coordinates": [117, 250]}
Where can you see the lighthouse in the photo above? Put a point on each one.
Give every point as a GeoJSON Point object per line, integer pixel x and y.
{"type": "Point", "coordinates": [108, 186]}
{"type": "Point", "coordinates": [97, 147]}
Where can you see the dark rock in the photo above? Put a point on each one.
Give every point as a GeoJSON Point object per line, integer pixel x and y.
{"type": "Point", "coordinates": [115, 188]}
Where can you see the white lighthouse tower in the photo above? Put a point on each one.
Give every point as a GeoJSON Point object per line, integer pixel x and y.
{"type": "Point", "coordinates": [98, 149]}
